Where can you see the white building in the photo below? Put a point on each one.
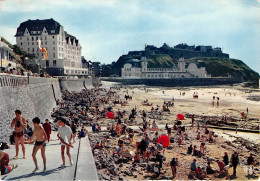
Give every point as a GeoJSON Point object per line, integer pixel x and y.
{"type": "Point", "coordinates": [135, 68]}
{"type": "Point", "coordinates": [64, 50]}
{"type": "Point", "coordinates": [4, 55]}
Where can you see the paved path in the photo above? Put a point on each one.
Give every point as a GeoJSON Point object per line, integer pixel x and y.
{"type": "Point", "coordinates": [54, 171]}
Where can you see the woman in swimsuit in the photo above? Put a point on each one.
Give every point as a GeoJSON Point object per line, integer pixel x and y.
{"type": "Point", "coordinates": [19, 124]}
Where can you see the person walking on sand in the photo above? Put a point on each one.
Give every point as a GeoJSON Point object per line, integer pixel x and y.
{"type": "Point", "coordinates": [63, 132]}
{"type": "Point", "coordinates": [47, 128]}
{"type": "Point", "coordinates": [19, 124]}
{"type": "Point", "coordinates": [41, 138]}
{"type": "Point", "coordinates": [234, 161]}
{"type": "Point", "coordinates": [174, 164]}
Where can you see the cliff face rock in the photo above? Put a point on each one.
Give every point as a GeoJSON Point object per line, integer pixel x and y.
{"type": "Point", "coordinates": [225, 66]}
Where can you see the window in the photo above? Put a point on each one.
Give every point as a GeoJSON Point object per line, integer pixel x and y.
{"type": "Point", "coordinates": [32, 43]}
{"type": "Point", "coordinates": [28, 49]}
{"type": "Point", "coordinates": [46, 43]}
{"type": "Point", "coordinates": [20, 38]}
{"type": "Point", "coordinates": [21, 43]}
{"type": "Point", "coordinates": [45, 36]}
{"type": "Point", "coordinates": [32, 38]}
{"type": "Point", "coordinates": [27, 38]}
{"type": "Point", "coordinates": [33, 49]}
{"type": "Point", "coordinates": [28, 43]}
{"type": "Point", "coordinates": [54, 63]}
{"type": "Point", "coordinates": [36, 37]}
{"type": "Point", "coordinates": [53, 55]}
{"type": "Point", "coordinates": [53, 42]}
{"type": "Point", "coordinates": [52, 36]}
{"type": "Point", "coordinates": [53, 48]}
{"type": "Point", "coordinates": [47, 63]}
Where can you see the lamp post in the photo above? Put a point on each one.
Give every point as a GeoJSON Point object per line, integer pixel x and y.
{"type": "Point", "coordinates": [26, 59]}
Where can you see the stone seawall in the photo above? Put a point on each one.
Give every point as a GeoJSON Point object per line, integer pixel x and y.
{"type": "Point", "coordinates": [33, 96]}
{"type": "Point", "coordinates": [176, 82]}
{"type": "Point", "coordinates": [77, 85]}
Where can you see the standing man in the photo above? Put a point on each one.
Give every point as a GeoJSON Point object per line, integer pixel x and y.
{"type": "Point", "coordinates": [234, 161]}
{"type": "Point", "coordinates": [225, 158]}
{"type": "Point", "coordinates": [63, 132]}
{"type": "Point", "coordinates": [174, 164]}
{"type": "Point", "coordinates": [19, 124]}
{"type": "Point", "coordinates": [41, 138]}
{"type": "Point", "coordinates": [250, 163]}
{"type": "Point", "coordinates": [47, 129]}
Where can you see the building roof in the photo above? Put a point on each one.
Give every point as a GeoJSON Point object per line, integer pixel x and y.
{"type": "Point", "coordinates": [135, 62]}
{"type": "Point", "coordinates": [71, 38]}
{"type": "Point", "coordinates": [52, 27]}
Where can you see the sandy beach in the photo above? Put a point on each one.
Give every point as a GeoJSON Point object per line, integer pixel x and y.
{"type": "Point", "coordinates": [232, 101]}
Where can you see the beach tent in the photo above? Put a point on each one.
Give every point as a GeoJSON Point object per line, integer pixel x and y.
{"type": "Point", "coordinates": [110, 115]}
{"type": "Point", "coordinates": [164, 140]}
{"type": "Point", "coordinates": [180, 116]}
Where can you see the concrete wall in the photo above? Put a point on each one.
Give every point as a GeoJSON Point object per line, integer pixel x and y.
{"type": "Point", "coordinates": [79, 84]}
{"type": "Point", "coordinates": [33, 96]}
{"type": "Point", "coordinates": [175, 82]}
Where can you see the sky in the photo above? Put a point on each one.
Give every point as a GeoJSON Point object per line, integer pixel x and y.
{"type": "Point", "coordinates": [106, 29]}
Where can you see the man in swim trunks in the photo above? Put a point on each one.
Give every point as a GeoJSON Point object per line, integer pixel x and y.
{"type": "Point", "coordinates": [19, 124]}
{"type": "Point", "coordinates": [41, 138]}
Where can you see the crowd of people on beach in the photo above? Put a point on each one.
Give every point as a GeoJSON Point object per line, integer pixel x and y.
{"type": "Point", "coordinates": [89, 108]}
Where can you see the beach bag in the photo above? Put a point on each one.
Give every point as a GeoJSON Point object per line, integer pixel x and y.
{"type": "Point", "coordinates": [12, 139]}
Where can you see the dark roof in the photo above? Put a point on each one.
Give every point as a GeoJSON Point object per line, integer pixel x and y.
{"type": "Point", "coordinates": [71, 38]}
{"type": "Point", "coordinates": [38, 26]}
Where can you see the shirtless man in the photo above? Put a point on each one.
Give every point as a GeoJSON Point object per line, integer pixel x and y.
{"type": "Point", "coordinates": [19, 124]}
{"type": "Point", "coordinates": [41, 138]}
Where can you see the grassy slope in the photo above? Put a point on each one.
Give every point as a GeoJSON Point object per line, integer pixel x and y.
{"type": "Point", "coordinates": [222, 66]}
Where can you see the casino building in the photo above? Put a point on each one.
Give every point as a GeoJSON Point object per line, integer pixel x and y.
{"type": "Point", "coordinates": [139, 69]}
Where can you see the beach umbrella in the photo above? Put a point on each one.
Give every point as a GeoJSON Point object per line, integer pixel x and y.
{"type": "Point", "coordinates": [164, 140]}
{"type": "Point", "coordinates": [110, 115]}
{"type": "Point", "coordinates": [180, 116]}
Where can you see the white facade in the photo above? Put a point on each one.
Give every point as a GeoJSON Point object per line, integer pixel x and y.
{"type": "Point", "coordinates": [138, 69]}
{"type": "Point", "coordinates": [64, 50]}
{"type": "Point", "coordinates": [4, 55]}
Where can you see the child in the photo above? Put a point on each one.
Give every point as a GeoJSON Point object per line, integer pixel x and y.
{"type": "Point", "coordinates": [63, 132]}
{"type": "Point", "coordinates": [41, 138]}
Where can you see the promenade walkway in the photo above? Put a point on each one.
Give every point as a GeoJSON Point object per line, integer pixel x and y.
{"type": "Point", "coordinates": [53, 157]}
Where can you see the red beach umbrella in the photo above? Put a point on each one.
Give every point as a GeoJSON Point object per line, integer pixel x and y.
{"type": "Point", "coordinates": [164, 140]}
{"type": "Point", "coordinates": [180, 116]}
{"type": "Point", "coordinates": [110, 115]}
